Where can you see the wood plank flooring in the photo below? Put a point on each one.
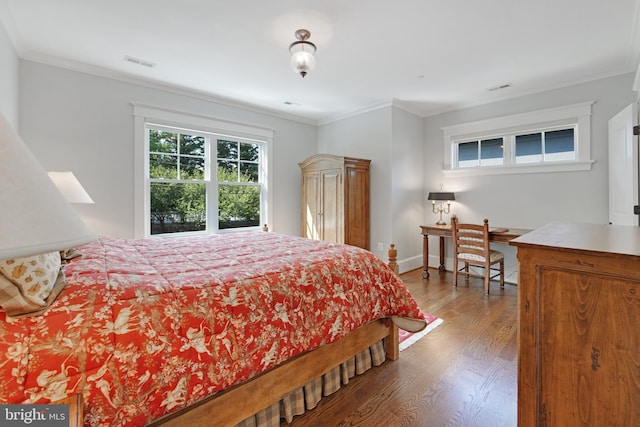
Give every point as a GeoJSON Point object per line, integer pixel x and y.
{"type": "Point", "coordinates": [464, 373]}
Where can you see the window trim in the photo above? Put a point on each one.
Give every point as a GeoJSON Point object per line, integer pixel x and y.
{"type": "Point", "coordinates": [149, 115]}
{"type": "Point", "coordinates": [578, 115]}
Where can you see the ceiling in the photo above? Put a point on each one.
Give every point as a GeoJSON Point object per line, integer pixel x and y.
{"type": "Point", "coordinates": [426, 56]}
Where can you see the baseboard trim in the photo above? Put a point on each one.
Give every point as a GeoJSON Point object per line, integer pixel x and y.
{"type": "Point", "coordinates": [409, 264]}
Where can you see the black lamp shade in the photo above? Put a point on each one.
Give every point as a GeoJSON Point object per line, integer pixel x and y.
{"type": "Point", "coordinates": [442, 196]}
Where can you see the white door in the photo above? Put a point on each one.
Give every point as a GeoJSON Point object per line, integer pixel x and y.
{"type": "Point", "coordinates": [623, 167]}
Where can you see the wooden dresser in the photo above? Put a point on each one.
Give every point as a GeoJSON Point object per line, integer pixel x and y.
{"type": "Point", "coordinates": [335, 199]}
{"type": "Point", "coordinates": [579, 320]}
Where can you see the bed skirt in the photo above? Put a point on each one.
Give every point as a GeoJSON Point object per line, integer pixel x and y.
{"type": "Point", "coordinates": [307, 397]}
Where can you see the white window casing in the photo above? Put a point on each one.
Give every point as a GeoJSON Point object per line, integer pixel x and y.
{"type": "Point", "coordinates": [577, 116]}
{"type": "Point", "coordinates": [145, 115]}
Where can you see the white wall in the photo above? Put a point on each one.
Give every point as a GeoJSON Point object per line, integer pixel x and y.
{"type": "Point", "coordinates": [84, 123]}
{"type": "Point", "coordinates": [367, 136]}
{"type": "Point", "coordinates": [407, 188]}
{"type": "Point", "coordinates": [393, 140]}
{"type": "Point", "coordinates": [530, 200]}
{"type": "Point", "coordinates": [8, 79]}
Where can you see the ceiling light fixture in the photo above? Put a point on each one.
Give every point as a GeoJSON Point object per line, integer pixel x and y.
{"type": "Point", "coordinates": [302, 60]}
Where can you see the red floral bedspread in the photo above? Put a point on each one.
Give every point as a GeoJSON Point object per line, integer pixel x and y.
{"type": "Point", "coordinates": [145, 327]}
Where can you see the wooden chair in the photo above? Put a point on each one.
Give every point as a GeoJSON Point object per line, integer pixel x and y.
{"type": "Point", "coordinates": [471, 247]}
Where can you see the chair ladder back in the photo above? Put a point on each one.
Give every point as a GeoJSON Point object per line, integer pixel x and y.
{"type": "Point", "coordinates": [471, 238]}
{"type": "Point", "coordinates": [471, 246]}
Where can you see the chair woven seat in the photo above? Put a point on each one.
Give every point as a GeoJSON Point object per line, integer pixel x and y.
{"type": "Point", "coordinates": [494, 256]}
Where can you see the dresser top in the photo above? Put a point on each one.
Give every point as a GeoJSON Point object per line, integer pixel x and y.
{"type": "Point", "coordinates": [600, 238]}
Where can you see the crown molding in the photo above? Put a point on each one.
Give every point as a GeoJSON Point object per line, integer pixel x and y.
{"type": "Point", "coordinates": [174, 89]}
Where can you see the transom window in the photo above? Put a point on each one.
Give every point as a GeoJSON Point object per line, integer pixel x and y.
{"type": "Point", "coordinates": [196, 179]}
{"type": "Point", "coordinates": [483, 152]}
{"type": "Point", "coordinates": [549, 146]}
{"type": "Point", "coordinates": [547, 140]}
{"type": "Point", "coordinates": [526, 148]}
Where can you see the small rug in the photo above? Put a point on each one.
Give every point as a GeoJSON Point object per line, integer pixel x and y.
{"type": "Point", "coordinates": [408, 338]}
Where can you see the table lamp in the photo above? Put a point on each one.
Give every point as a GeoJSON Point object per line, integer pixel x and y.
{"type": "Point", "coordinates": [441, 196]}
{"type": "Point", "coordinates": [35, 218]}
{"type": "Point", "coordinates": [70, 187]}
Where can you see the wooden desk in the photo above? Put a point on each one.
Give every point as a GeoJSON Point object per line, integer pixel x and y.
{"type": "Point", "coordinates": [445, 231]}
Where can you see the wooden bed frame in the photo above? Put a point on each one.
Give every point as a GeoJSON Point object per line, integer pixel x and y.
{"type": "Point", "coordinates": [266, 389]}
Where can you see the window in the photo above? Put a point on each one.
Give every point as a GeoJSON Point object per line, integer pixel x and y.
{"type": "Point", "coordinates": [198, 175]}
{"type": "Point", "coordinates": [177, 182]}
{"type": "Point", "coordinates": [238, 184]}
{"type": "Point", "coordinates": [542, 146]}
{"type": "Point", "coordinates": [480, 153]}
{"type": "Point", "coordinates": [547, 140]}
{"type": "Point", "coordinates": [549, 146]}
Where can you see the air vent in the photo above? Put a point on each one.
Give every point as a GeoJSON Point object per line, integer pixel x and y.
{"type": "Point", "coordinates": [504, 86]}
{"type": "Point", "coordinates": [139, 61]}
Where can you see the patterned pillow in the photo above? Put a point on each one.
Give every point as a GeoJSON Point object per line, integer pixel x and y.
{"type": "Point", "coordinates": [29, 285]}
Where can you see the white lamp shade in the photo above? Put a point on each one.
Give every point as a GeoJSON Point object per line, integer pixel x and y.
{"type": "Point", "coordinates": [70, 187]}
{"type": "Point", "coordinates": [34, 216]}
{"type": "Point", "coordinates": [303, 62]}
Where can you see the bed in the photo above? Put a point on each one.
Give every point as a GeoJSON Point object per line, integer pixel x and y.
{"type": "Point", "coordinates": [180, 330]}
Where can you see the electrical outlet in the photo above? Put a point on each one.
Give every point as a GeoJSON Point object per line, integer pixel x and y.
{"type": "Point", "coordinates": [380, 247]}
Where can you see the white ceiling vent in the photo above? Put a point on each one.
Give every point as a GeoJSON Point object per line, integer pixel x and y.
{"type": "Point", "coordinates": [504, 86]}
{"type": "Point", "coordinates": [139, 61]}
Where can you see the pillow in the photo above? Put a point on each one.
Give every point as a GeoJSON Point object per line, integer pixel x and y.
{"type": "Point", "coordinates": [29, 285]}
{"type": "Point", "coordinates": [69, 254]}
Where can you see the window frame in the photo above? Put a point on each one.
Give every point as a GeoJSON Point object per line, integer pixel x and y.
{"type": "Point", "coordinates": [157, 117]}
{"type": "Point", "coordinates": [479, 142]}
{"type": "Point", "coordinates": [576, 116]}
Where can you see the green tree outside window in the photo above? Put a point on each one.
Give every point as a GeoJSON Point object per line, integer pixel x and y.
{"type": "Point", "coordinates": [179, 190]}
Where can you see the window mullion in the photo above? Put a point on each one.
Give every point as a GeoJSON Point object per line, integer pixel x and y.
{"type": "Point", "coordinates": [211, 168]}
{"type": "Point", "coordinates": [238, 160]}
{"type": "Point", "coordinates": [508, 142]}
{"type": "Point", "coordinates": [178, 162]}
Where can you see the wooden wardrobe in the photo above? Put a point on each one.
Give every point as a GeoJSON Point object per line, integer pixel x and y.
{"type": "Point", "coordinates": [579, 317]}
{"type": "Point", "coordinates": [335, 199]}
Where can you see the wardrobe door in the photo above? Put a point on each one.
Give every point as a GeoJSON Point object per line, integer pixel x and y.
{"type": "Point", "coordinates": [356, 202]}
{"type": "Point", "coordinates": [331, 214]}
{"type": "Point", "coordinates": [311, 205]}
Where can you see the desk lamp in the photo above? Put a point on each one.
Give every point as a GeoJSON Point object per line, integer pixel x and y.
{"type": "Point", "coordinates": [441, 196]}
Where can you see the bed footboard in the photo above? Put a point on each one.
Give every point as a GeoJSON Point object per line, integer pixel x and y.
{"type": "Point", "coordinates": [266, 389]}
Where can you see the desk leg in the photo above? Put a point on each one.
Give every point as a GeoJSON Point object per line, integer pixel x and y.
{"type": "Point", "coordinates": [425, 257]}
{"type": "Point", "coordinates": [441, 267]}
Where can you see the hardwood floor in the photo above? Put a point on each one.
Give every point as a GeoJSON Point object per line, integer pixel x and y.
{"type": "Point", "coordinates": [464, 373]}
